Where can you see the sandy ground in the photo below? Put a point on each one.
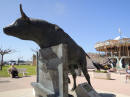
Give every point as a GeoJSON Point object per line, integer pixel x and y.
{"type": "Point", "coordinates": [115, 86]}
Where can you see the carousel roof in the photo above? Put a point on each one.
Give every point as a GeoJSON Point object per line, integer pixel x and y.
{"type": "Point", "coordinates": [119, 37]}
{"type": "Point", "coordinates": [116, 42]}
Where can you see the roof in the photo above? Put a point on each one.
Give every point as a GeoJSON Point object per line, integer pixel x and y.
{"type": "Point", "coordinates": [119, 37]}
{"type": "Point", "coordinates": [117, 42]}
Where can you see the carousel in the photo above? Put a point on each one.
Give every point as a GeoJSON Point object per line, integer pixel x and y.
{"type": "Point", "coordinates": [117, 49]}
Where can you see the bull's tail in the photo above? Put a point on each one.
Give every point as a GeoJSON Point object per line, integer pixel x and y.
{"type": "Point", "coordinates": [88, 56]}
{"type": "Point", "coordinates": [98, 65]}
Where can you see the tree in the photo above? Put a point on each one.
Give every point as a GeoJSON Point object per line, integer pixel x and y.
{"type": "Point", "coordinates": [2, 53]}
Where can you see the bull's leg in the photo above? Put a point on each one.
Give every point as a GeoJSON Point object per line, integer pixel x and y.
{"type": "Point", "coordinates": [74, 78]}
{"type": "Point", "coordinates": [74, 83]}
{"type": "Point", "coordinates": [69, 80]}
{"type": "Point", "coordinates": [85, 72]}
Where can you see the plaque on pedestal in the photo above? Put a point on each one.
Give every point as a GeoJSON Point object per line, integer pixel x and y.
{"type": "Point", "coordinates": [85, 90]}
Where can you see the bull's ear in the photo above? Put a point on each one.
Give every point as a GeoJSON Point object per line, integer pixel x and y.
{"type": "Point", "coordinates": [23, 15]}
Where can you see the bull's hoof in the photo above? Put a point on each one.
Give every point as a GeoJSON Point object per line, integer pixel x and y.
{"type": "Point", "coordinates": [70, 95]}
{"type": "Point", "coordinates": [69, 81]}
{"type": "Point", "coordinates": [73, 88]}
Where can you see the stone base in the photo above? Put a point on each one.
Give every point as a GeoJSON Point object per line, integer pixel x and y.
{"type": "Point", "coordinates": [52, 72]}
{"type": "Point", "coordinates": [41, 91]}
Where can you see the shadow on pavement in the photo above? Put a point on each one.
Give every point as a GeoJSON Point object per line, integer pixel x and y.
{"type": "Point", "coordinates": [112, 79]}
{"type": "Point", "coordinates": [5, 81]}
{"type": "Point", "coordinates": [107, 95]}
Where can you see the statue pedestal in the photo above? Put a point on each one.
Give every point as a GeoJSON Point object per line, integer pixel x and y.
{"type": "Point", "coordinates": [52, 72]}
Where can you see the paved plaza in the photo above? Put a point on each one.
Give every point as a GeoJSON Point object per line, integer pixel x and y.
{"type": "Point", "coordinates": [21, 87]}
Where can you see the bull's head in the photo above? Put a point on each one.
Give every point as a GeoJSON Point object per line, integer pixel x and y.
{"type": "Point", "coordinates": [28, 29]}
{"type": "Point", "coordinates": [20, 27]}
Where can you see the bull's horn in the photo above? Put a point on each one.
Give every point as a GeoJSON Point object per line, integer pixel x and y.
{"type": "Point", "coordinates": [22, 13]}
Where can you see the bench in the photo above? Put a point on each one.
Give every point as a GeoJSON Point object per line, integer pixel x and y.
{"type": "Point", "coordinates": [23, 71]}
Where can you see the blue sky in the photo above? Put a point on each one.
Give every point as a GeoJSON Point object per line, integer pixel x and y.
{"type": "Point", "coordinates": [86, 21]}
